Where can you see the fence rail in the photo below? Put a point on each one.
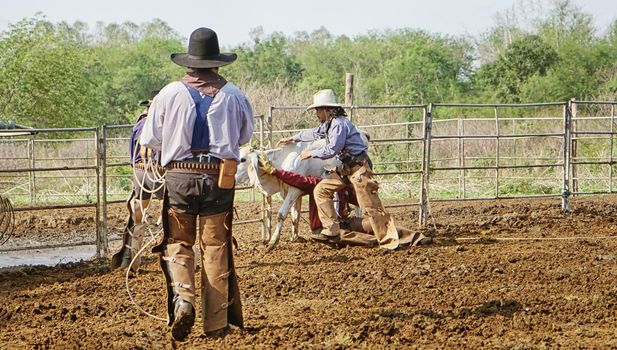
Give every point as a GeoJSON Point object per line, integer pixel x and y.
{"type": "Point", "coordinates": [424, 153]}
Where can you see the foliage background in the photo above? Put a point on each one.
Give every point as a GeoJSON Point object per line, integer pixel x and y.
{"type": "Point", "coordinates": [69, 75]}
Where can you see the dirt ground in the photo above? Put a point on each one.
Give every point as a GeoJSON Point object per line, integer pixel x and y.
{"type": "Point", "coordinates": [482, 283]}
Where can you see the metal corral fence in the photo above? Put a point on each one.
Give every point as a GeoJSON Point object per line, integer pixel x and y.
{"type": "Point", "coordinates": [53, 169]}
{"type": "Point", "coordinates": [490, 152]}
{"type": "Point", "coordinates": [436, 152]}
{"type": "Point", "coordinates": [593, 130]}
{"type": "Point", "coordinates": [396, 138]}
{"type": "Point", "coordinates": [421, 154]}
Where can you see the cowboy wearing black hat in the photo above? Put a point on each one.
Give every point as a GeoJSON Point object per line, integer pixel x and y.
{"type": "Point", "coordinates": [198, 125]}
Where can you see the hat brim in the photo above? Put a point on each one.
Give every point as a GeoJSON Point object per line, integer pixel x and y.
{"type": "Point", "coordinates": [316, 105]}
{"type": "Point", "coordinates": [186, 60]}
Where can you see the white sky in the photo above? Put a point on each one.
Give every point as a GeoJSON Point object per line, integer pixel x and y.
{"type": "Point", "coordinates": [234, 19]}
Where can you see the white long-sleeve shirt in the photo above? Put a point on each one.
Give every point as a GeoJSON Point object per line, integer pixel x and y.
{"type": "Point", "coordinates": [169, 126]}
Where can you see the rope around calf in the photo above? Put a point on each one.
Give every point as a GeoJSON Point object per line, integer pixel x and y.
{"type": "Point", "coordinates": [570, 238]}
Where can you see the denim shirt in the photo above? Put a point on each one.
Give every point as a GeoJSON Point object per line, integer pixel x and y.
{"type": "Point", "coordinates": [340, 134]}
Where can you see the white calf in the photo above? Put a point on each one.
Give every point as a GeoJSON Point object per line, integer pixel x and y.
{"type": "Point", "coordinates": [285, 158]}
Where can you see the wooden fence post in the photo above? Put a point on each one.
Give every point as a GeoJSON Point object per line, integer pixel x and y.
{"type": "Point", "coordinates": [349, 93]}
{"type": "Point", "coordinates": [101, 193]}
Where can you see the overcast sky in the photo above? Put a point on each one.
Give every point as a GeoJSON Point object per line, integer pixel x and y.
{"type": "Point", "coordinates": [234, 19]}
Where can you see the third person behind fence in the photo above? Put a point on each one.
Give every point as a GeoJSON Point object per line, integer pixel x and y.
{"type": "Point", "coordinates": [144, 187]}
{"type": "Point", "coordinates": [343, 140]}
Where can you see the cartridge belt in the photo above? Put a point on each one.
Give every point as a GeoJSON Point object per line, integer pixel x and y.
{"type": "Point", "coordinates": [141, 166]}
{"type": "Point", "coordinates": [205, 167]}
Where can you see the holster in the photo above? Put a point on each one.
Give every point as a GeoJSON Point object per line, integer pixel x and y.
{"type": "Point", "coordinates": [227, 173]}
{"type": "Point", "coordinates": [350, 164]}
{"type": "Point", "coordinates": [176, 256]}
{"type": "Point", "coordinates": [221, 304]}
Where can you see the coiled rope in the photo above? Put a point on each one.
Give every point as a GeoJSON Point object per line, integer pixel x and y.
{"type": "Point", "coordinates": [152, 172]}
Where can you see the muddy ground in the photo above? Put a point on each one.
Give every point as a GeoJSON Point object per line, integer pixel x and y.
{"type": "Point", "coordinates": [482, 283]}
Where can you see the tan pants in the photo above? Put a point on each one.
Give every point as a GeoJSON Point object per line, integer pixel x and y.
{"type": "Point", "coordinates": [366, 189]}
{"type": "Point", "coordinates": [220, 295]}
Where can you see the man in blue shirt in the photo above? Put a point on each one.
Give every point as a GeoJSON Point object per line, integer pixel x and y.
{"type": "Point", "coordinates": [344, 141]}
{"type": "Point", "coordinates": [143, 188]}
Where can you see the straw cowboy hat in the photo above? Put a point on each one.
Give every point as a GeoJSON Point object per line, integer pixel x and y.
{"type": "Point", "coordinates": [203, 51]}
{"type": "Point", "coordinates": [324, 98]}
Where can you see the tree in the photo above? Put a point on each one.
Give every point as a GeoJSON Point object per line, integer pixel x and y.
{"type": "Point", "coordinates": [523, 59]}
{"type": "Point", "coordinates": [61, 76]}
{"type": "Point", "coordinates": [324, 59]}
{"type": "Point", "coordinates": [607, 76]}
{"type": "Point", "coordinates": [266, 61]}
{"type": "Point", "coordinates": [400, 66]}
{"type": "Point", "coordinates": [567, 60]}
{"type": "Point", "coordinates": [44, 73]}
{"type": "Point", "coordinates": [424, 68]}
{"type": "Point", "coordinates": [126, 73]}
{"type": "Point", "coordinates": [582, 56]}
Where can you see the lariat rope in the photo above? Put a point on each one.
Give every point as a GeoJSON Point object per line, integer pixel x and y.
{"type": "Point", "coordinates": [153, 174]}
{"type": "Point", "coordinates": [128, 271]}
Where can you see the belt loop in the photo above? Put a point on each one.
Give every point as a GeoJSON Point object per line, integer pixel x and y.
{"type": "Point", "coordinates": [201, 157]}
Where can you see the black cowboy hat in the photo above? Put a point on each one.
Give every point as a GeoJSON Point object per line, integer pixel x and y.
{"type": "Point", "coordinates": [203, 51]}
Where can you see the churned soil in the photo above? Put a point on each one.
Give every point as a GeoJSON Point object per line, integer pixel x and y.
{"type": "Point", "coordinates": [510, 274]}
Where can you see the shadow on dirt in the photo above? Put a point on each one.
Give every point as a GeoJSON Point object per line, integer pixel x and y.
{"type": "Point", "coordinates": [506, 308]}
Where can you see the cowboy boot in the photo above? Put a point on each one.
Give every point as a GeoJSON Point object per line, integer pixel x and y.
{"type": "Point", "coordinates": [122, 258]}
{"type": "Point", "coordinates": [265, 164]}
{"type": "Point", "coordinates": [184, 319]}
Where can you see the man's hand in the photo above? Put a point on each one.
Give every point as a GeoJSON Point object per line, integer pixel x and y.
{"type": "Point", "coordinates": [265, 164]}
{"type": "Point", "coordinates": [285, 141]}
{"type": "Point", "coordinates": [306, 154]}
